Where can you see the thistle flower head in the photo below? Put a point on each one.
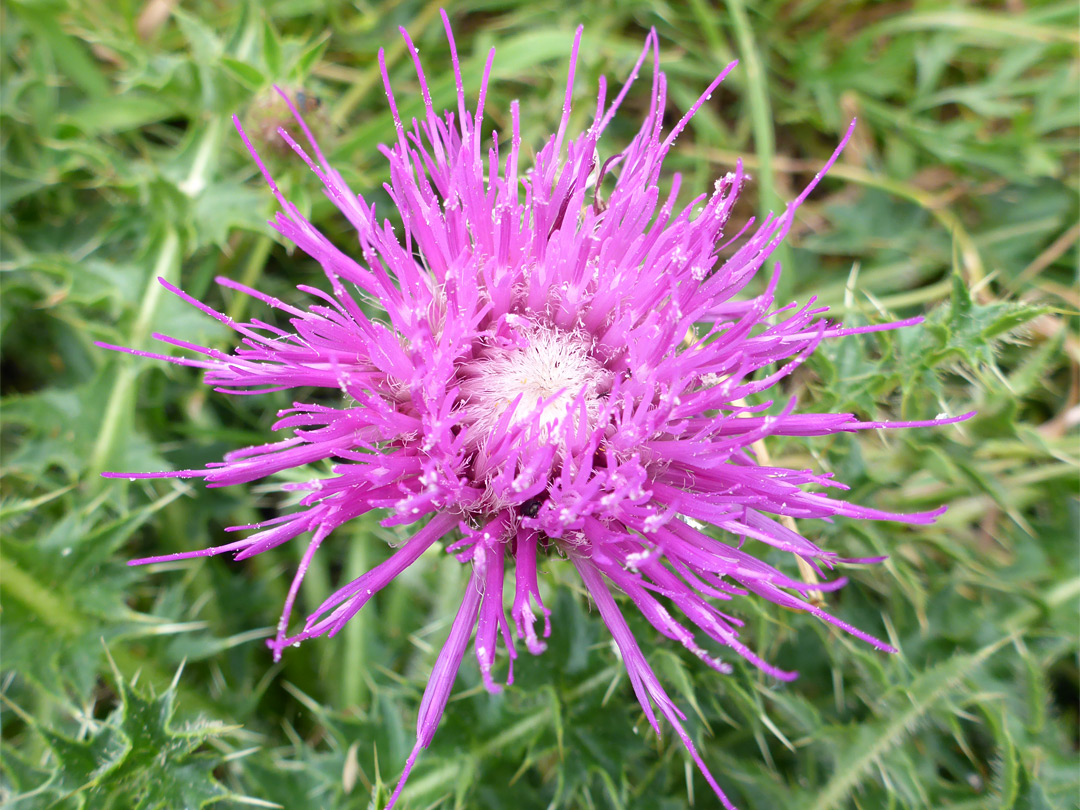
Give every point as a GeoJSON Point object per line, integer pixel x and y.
{"type": "Point", "coordinates": [551, 374]}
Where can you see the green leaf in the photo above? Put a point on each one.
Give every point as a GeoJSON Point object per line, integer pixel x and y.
{"type": "Point", "coordinates": [122, 112]}
{"type": "Point", "coordinates": [245, 72]}
{"type": "Point", "coordinates": [969, 333]}
{"type": "Point", "coordinates": [271, 50]}
{"type": "Point", "coordinates": [222, 207]}
{"type": "Point", "coordinates": [70, 54]}
{"type": "Point", "coordinates": [1007, 767]}
{"type": "Point", "coordinates": [84, 765]}
{"type": "Point", "coordinates": [309, 57]}
{"type": "Point", "coordinates": [136, 757]}
{"type": "Point", "coordinates": [857, 751]}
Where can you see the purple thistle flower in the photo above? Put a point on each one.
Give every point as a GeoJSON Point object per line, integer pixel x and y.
{"type": "Point", "coordinates": [538, 387]}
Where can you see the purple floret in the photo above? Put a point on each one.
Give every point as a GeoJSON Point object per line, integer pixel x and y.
{"type": "Point", "coordinates": [555, 373]}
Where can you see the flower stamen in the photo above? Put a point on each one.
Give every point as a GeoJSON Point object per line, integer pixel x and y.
{"type": "Point", "coordinates": [540, 379]}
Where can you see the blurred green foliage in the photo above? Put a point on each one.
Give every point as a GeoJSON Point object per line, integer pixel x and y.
{"type": "Point", "coordinates": [957, 199]}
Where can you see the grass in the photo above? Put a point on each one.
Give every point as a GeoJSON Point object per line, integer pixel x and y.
{"type": "Point", "coordinates": [957, 199]}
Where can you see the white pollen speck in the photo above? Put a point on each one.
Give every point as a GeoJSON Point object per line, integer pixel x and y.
{"type": "Point", "coordinates": [652, 523]}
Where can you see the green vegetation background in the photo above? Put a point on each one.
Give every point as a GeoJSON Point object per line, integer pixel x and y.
{"type": "Point", "coordinates": [957, 198]}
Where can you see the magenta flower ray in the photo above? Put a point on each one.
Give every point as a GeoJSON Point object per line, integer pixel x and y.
{"type": "Point", "coordinates": [554, 373]}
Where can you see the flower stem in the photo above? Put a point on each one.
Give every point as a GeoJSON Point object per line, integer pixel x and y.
{"type": "Point", "coordinates": [253, 270]}
{"type": "Point", "coordinates": [762, 125]}
{"type": "Point", "coordinates": [120, 405]}
{"type": "Point", "coordinates": [49, 607]}
{"type": "Point", "coordinates": [806, 571]}
{"type": "Point", "coordinates": [354, 650]}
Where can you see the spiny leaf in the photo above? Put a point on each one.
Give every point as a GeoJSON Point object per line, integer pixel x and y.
{"type": "Point", "coordinates": [137, 756]}
{"type": "Point", "coordinates": [859, 749]}
{"type": "Point", "coordinates": [85, 764]}
{"type": "Point", "coordinates": [967, 332]}
{"type": "Point", "coordinates": [1007, 768]}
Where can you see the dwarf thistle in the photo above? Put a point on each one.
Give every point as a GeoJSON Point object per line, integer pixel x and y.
{"type": "Point", "coordinates": [557, 375]}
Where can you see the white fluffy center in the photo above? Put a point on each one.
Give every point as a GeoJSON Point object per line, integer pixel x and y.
{"type": "Point", "coordinates": [548, 373]}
